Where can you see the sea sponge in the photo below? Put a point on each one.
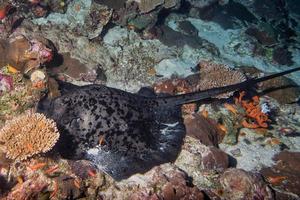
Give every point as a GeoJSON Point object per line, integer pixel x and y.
{"type": "Point", "coordinates": [28, 135]}
{"type": "Point", "coordinates": [214, 75]}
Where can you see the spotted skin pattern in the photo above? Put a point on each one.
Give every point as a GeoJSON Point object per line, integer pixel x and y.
{"type": "Point", "coordinates": [130, 133]}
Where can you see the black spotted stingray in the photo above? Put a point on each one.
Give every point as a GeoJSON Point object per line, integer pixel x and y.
{"type": "Point", "coordinates": [121, 132]}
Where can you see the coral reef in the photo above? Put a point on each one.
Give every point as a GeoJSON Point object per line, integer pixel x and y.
{"type": "Point", "coordinates": [239, 184]}
{"type": "Point", "coordinates": [217, 75]}
{"type": "Point", "coordinates": [177, 47]}
{"type": "Point", "coordinates": [284, 175]}
{"type": "Point", "coordinates": [6, 83]}
{"type": "Point", "coordinates": [28, 135]}
{"type": "Point", "coordinates": [19, 95]}
{"type": "Point", "coordinates": [26, 54]}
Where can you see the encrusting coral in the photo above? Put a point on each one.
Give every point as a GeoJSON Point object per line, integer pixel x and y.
{"type": "Point", "coordinates": [254, 112]}
{"type": "Point", "coordinates": [214, 75]}
{"type": "Point", "coordinates": [28, 135]}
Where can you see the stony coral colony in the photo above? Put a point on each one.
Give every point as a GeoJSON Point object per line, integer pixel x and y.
{"type": "Point", "coordinates": [28, 135]}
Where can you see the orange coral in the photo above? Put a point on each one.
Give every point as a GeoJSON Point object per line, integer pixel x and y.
{"type": "Point", "coordinates": [253, 111]}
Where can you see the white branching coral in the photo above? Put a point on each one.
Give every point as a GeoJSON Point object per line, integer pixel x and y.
{"type": "Point", "coordinates": [28, 135]}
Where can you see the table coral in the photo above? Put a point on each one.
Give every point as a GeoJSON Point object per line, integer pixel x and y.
{"type": "Point", "coordinates": [214, 75]}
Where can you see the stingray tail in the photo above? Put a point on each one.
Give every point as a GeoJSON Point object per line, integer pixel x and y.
{"type": "Point", "coordinates": [206, 94]}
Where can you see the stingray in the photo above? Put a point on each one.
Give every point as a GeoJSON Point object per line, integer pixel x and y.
{"type": "Point", "coordinates": [124, 133]}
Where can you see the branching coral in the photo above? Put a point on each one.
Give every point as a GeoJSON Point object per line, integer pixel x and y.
{"type": "Point", "coordinates": [28, 135]}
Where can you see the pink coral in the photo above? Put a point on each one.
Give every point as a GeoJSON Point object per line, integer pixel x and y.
{"type": "Point", "coordinates": [6, 83]}
{"type": "Point", "coordinates": [44, 54]}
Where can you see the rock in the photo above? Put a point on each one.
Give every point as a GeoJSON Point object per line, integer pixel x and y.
{"type": "Point", "coordinates": [169, 183]}
{"type": "Point", "coordinates": [176, 189]}
{"type": "Point", "coordinates": [53, 88]}
{"type": "Point", "coordinates": [149, 5]}
{"type": "Point", "coordinates": [146, 6]}
{"type": "Point", "coordinates": [59, 7]}
{"type": "Point", "coordinates": [67, 189]}
{"type": "Point", "coordinates": [167, 87]}
{"type": "Point", "coordinates": [144, 196]}
{"type": "Point", "coordinates": [170, 37]}
{"type": "Point", "coordinates": [285, 175]}
{"type": "Point", "coordinates": [283, 56]}
{"type": "Point", "coordinates": [176, 86]}
{"type": "Point", "coordinates": [27, 54]}
{"type": "Point", "coordinates": [3, 45]}
{"type": "Point", "coordinates": [3, 185]}
{"type": "Point", "coordinates": [201, 3]}
{"type": "Point", "coordinates": [141, 15]}
{"type": "Point", "coordinates": [203, 129]}
{"type": "Point", "coordinates": [29, 189]}
{"type": "Point", "coordinates": [240, 184]}
{"type": "Point", "coordinates": [78, 166]}
{"type": "Point", "coordinates": [236, 152]}
{"type": "Point", "coordinates": [128, 12]}
{"type": "Point", "coordinates": [187, 28]}
{"type": "Point", "coordinates": [99, 17]}
{"type": "Point", "coordinates": [197, 159]}
{"type": "Point", "coordinates": [40, 11]}
{"type": "Point", "coordinates": [171, 3]}
{"type": "Point", "coordinates": [112, 4]}
{"type": "Point", "coordinates": [277, 16]}
{"type": "Point", "coordinates": [214, 158]}
{"type": "Point", "coordinates": [15, 51]}
{"type": "Point", "coordinates": [71, 67]}
{"type": "Point", "coordinates": [261, 36]}
{"type": "Point", "coordinates": [282, 89]}
{"type": "Point", "coordinates": [142, 22]}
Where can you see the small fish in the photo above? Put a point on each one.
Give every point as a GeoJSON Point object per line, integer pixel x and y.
{"type": "Point", "coordinates": [4, 11]}
{"type": "Point", "coordinates": [140, 130]}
